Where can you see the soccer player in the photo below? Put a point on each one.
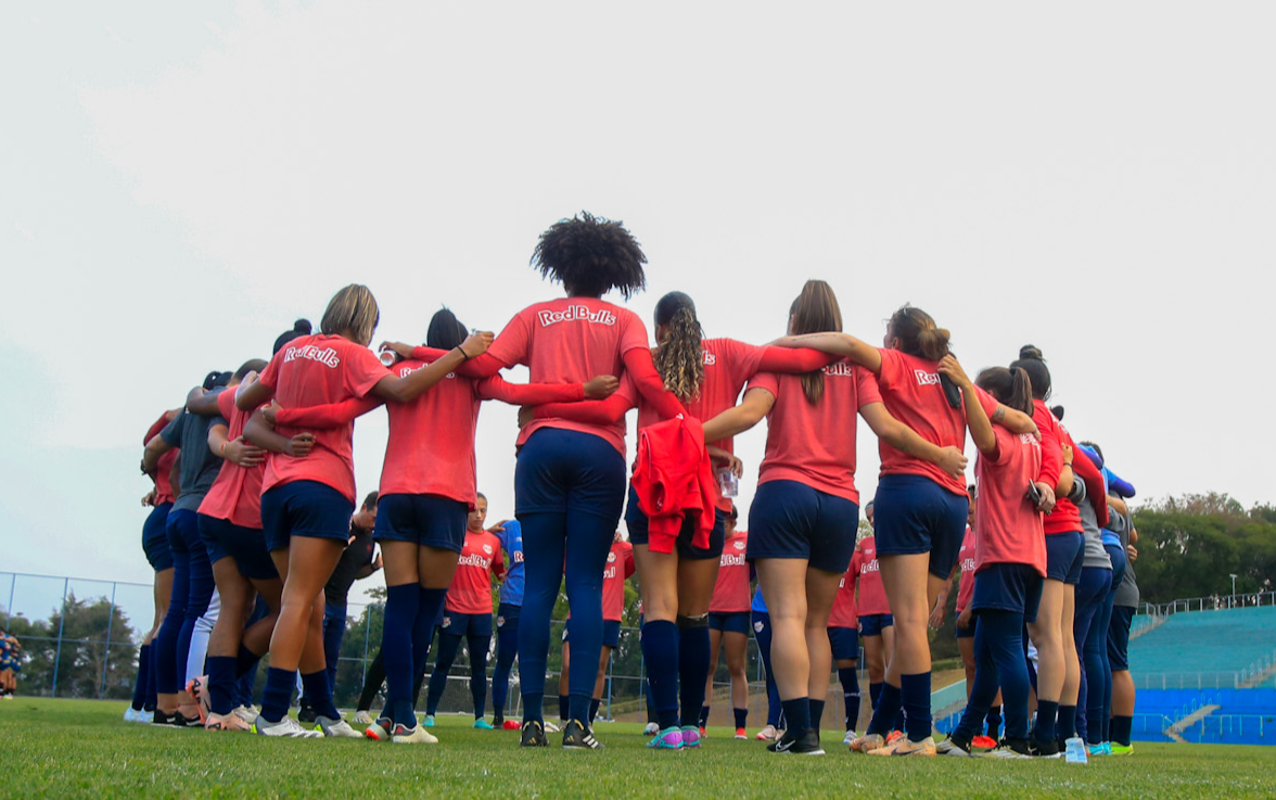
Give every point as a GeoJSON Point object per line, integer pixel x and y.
{"type": "Point", "coordinates": [729, 624]}
{"type": "Point", "coordinates": [844, 643]}
{"type": "Point", "coordinates": [876, 625]}
{"type": "Point", "coordinates": [507, 618]}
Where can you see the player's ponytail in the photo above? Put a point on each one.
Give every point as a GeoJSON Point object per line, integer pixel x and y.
{"type": "Point", "coordinates": [918, 334]}
{"type": "Point", "coordinates": [680, 357]}
{"type": "Point", "coordinates": [1011, 387]}
{"type": "Point", "coordinates": [815, 311]}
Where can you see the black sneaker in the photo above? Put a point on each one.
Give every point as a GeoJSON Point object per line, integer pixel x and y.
{"type": "Point", "coordinates": [576, 736]}
{"type": "Point", "coordinates": [306, 714]}
{"type": "Point", "coordinates": [187, 722]}
{"type": "Point", "coordinates": [533, 735]}
{"type": "Point", "coordinates": [1040, 749]}
{"type": "Point", "coordinates": [498, 721]}
{"type": "Point", "coordinates": [1011, 748]}
{"type": "Point", "coordinates": [808, 744]}
{"type": "Point", "coordinates": [953, 746]}
{"type": "Point", "coordinates": [166, 720]}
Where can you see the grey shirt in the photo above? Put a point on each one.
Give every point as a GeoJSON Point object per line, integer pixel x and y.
{"type": "Point", "coordinates": [199, 464]}
{"type": "Point", "coordinates": [1095, 555]}
{"type": "Point", "coordinates": [1127, 594]}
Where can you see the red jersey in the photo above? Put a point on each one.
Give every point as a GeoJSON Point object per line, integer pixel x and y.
{"type": "Point", "coordinates": [163, 487]}
{"type": "Point", "coordinates": [966, 563]}
{"type": "Point", "coordinates": [571, 340]}
{"type": "Point", "coordinates": [911, 390]}
{"type": "Point", "coordinates": [871, 598]}
{"type": "Point", "coordinates": [731, 591]}
{"type": "Point", "coordinates": [844, 613]}
{"type": "Point", "coordinates": [1009, 526]}
{"type": "Point", "coordinates": [314, 371]}
{"type": "Point", "coordinates": [815, 444]}
{"type": "Point", "coordinates": [620, 565]}
{"type": "Point", "coordinates": [236, 493]}
{"type": "Point", "coordinates": [471, 589]}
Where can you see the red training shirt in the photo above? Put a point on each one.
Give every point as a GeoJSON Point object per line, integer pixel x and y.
{"type": "Point", "coordinates": [1008, 525]}
{"type": "Point", "coordinates": [471, 589]}
{"type": "Point", "coordinates": [235, 495]}
{"type": "Point", "coordinates": [844, 613]}
{"type": "Point", "coordinates": [966, 563]}
{"type": "Point", "coordinates": [620, 565]}
{"type": "Point", "coordinates": [731, 591]}
{"type": "Point", "coordinates": [871, 598]}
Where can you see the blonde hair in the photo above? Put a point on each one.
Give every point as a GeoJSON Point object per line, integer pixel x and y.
{"type": "Point", "coordinates": [680, 357]}
{"type": "Point", "coordinates": [353, 310]}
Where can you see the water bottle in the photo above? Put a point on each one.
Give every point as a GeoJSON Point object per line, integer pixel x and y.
{"type": "Point", "coordinates": [728, 483]}
{"type": "Point", "coordinates": [388, 357]}
{"type": "Point", "coordinates": [1075, 751]}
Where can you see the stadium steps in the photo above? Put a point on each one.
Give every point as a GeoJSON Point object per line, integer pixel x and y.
{"type": "Point", "coordinates": [1176, 729]}
{"type": "Point", "coordinates": [1154, 621]}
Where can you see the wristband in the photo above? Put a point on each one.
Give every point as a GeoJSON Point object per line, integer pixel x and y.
{"type": "Point", "coordinates": [464, 354]}
{"type": "Point", "coordinates": [1068, 464]}
{"type": "Point", "coordinates": [222, 451]}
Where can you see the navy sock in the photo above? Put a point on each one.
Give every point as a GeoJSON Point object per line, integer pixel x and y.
{"type": "Point", "coordinates": [850, 695]}
{"type": "Point", "coordinates": [277, 695]}
{"type": "Point", "coordinates": [318, 691]}
{"type": "Point", "coordinates": [534, 708]}
{"type": "Point", "coordinates": [151, 676]}
{"type": "Point", "coordinates": [693, 665]}
{"type": "Point", "coordinates": [798, 713]}
{"type": "Point", "coordinates": [704, 716]}
{"type": "Point", "coordinates": [660, 650]}
{"type": "Point", "coordinates": [245, 661]}
{"type": "Point", "coordinates": [888, 707]}
{"type": "Point", "coordinates": [564, 706]}
{"type": "Point", "coordinates": [741, 716]}
{"type": "Point", "coordinates": [402, 605]}
{"type": "Point", "coordinates": [817, 713]}
{"type": "Point", "coordinates": [143, 676]}
{"type": "Point", "coordinates": [915, 691]}
{"type": "Point", "coordinates": [874, 694]}
{"type": "Point", "coordinates": [993, 721]}
{"type": "Point", "coordinates": [1067, 723]}
{"type": "Point", "coordinates": [594, 705]}
{"type": "Point", "coordinates": [578, 707]}
{"type": "Point", "coordinates": [1120, 730]}
{"type": "Point", "coordinates": [1047, 712]}
{"type": "Point", "coordinates": [221, 684]}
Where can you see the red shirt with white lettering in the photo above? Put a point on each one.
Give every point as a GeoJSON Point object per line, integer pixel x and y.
{"type": "Point", "coordinates": [314, 371]}
{"type": "Point", "coordinates": [966, 562]}
{"type": "Point", "coordinates": [471, 589]}
{"type": "Point", "coordinates": [871, 598]}
{"type": "Point", "coordinates": [571, 340]}
{"type": "Point", "coordinates": [912, 393]}
{"type": "Point", "coordinates": [731, 591]}
{"type": "Point", "coordinates": [620, 565]}
{"type": "Point", "coordinates": [844, 613]}
{"type": "Point", "coordinates": [1009, 526]}
{"type": "Point", "coordinates": [815, 444]}
{"type": "Point", "coordinates": [236, 493]}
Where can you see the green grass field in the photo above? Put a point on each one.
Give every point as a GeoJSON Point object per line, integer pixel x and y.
{"type": "Point", "coordinates": [67, 748]}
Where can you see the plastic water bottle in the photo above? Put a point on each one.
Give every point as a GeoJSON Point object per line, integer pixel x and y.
{"type": "Point", "coordinates": [728, 483]}
{"type": "Point", "coordinates": [1075, 751]}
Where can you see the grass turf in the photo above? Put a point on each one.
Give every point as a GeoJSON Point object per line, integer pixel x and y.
{"type": "Point", "coordinates": [69, 748]}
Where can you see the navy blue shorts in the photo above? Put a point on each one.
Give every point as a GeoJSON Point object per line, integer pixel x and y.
{"type": "Point", "coordinates": [422, 519]}
{"type": "Point", "coordinates": [967, 633]}
{"type": "Point", "coordinates": [874, 624]}
{"type": "Point", "coordinates": [455, 624]}
{"type": "Point", "coordinates": [916, 515]}
{"type": "Point", "coordinates": [636, 522]}
{"type": "Point", "coordinates": [507, 615]}
{"type": "Point", "coordinates": [1065, 556]}
{"type": "Point", "coordinates": [1119, 638]}
{"type": "Point", "coordinates": [737, 622]}
{"type": "Point", "coordinates": [246, 545]}
{"type": "Point", "coordinates": [845, 643]}
{"type": "Point", "coordinates": [155, 538]}
{"type": "Point", "coordinates": [304, 508]}
{"type": "Point", "coordinates": [1008, 587]}
{"type": "Point", "coordinates": [792, 520]}
{"type": "Point", "coordinates": [561, 471]}
{"type": "Point", "coordinates": [611, 633]}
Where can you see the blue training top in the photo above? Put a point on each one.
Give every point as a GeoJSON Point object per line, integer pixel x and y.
{"type": "Point", "coordinates": [512, 542]}
{"type": "Point", "coordinates": [759, 605]}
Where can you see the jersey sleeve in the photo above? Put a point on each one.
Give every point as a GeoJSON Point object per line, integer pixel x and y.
{"type": "Point", "coordinates": [987, 401]}
{"type": "Point", "coordinates": [892, 366]}
{"type": "Point", "coordinates": [633, 334]}
{"type": "Point", "coordinates": [867, 391]}
{"type": "Point", "coordinates": [172, 433]}
{"type": "Point", "coordinates": [329, 415]}
{"type": "Point", "coordinates": [630, 565]}
{"type": "Point", "coordinates": [363, 370]}
{"type": "Point", "coordinates": [498, 559]}
{"type": "Point", "coordinates": [1051, 452]}
{"type": "Point", "coordinates": [514, 343]}
{"type": "Point", "coordinates": [1096, 492]}
{"type": "Point", "coordinates": [529, 394]}
{"type": "Point", "coordinates": [649, 383]}
{"type": "Point", "coordinates": [269, 376]}
{"type": "Point", "coordinates": [791, 359]}
{"type": "Point", "coordinates": [765, 380]}
{"type": "Point", "coordinates": [156, 428]}
{"type": "Point", "coordinates": [226, 403]}
{"type": "Point", "coordinates": [595, 412]}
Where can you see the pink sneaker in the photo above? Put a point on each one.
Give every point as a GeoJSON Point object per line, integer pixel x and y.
{"type": "Point", "coordinates": [690, 736]}
{"type": "Point", "coordinates": [667, 739]}
{"type": "Point", "coordinates": [198, 688]}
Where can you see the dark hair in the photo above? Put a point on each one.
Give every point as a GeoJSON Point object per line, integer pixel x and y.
{"type": "Point", "coordinates": [299, 328]}
{"type": "Point", "coordinates": [971, 490]}
{"type": "Point", "coordinates": [370, 502]}
{"type": "Point", "coordinates": [251, 365]}
{"type": "Point", "coordinates": [480, 495]}
{"type": "Point", "coordinates": [815, 311]}
{"type": "Point", "coordinates": [1096, 449]}
{"type": "Point", "coordinates": [1011, 387]}
{"type": "Point", "coordinates": [446, 331]}
{"type": "Point", "coordinates": [734, 513]}
{"type": "Point", "coordinates": [1031, 361]}
{"type": "Point", "coordinates": [918, 334]}
{"type": "Point", "coordinates": [1058, 412]}
{"type": "Point", "coordinates": [680, 357]}
{"type": "Point", "coordinates": [590, 256]}
{"type": "Point", "coordinates": [215, 379]}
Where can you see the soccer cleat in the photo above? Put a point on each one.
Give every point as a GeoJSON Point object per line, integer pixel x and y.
{"type": "Point", "coordinates": [146, 717]}
{"type": "Point", "coordinates": [867, 743]}
{"type": "Point", "coordinates": [1010, 748]}
{"type": "Point", "coordinates": [850, 737]}
{"type": "Point", "coordinates": [1040, 749]}
{"type": "Point", "coordinates": [429, 721]}
{"type": "Point", "coordinates": [906, 747]}
{"type": "Point", "coordinates": [1101, 749]}
{"type": "Point", "coordinates": [741, 733]}
{"type": "Point", "coordinates": [1120, 749]}
{"type": "Point", "coordinates": [132, 715]}
{"type": "Point", "coordinates": [416, 735]}
{"type": "Point", "coordinates": [482, 724]}
{"type": "Point", "coordinates": [286, 728]}
{"type": "Point", "coordinates": [578, 736]}
{"type": "Point", "coordinates": [808, 744]}
{"type": "Point", "coordinates": [336, 728]}
{"type": "Point", "coordinates": [768, 734]}
{"type": "Point", "coordinates": [551, 727]}
{"type": "Point", "coordinates": [533, 735]}
{"type": "Point", "coordinates": [953, 746]}
{"type": "Point", "coordinates": [651, 730]}
{"type": "Point", "coordinates": [306, 714]}
{"type": "Point", "coordinates": [380, 729]}
{"type": "Point", "coordinates": [246, 713]}
{"type": "Point", "coordinates": [509, 725]}
{"type": "Point", "coordinates": [703, 733]}
{"type": "Point", "coordinates": [894, 736]}
{"type": "Point", "coordinates": [691, 736]}
{"type": "Point", "coordinates": [225, 722]}
{"type": "Point", "coordinates": [983, 743]}
{"type": "Point", "coordinates": [362, 717]}
{"type": "Point", "coordinates": [668, 739]}
{"type": "Point", "coordinates": [198, 688]}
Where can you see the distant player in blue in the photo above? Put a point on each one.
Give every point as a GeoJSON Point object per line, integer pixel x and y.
{"type": "Point", "coordinates": [511, 603]}
{"type": "Point", "coordinates": [762, 633]}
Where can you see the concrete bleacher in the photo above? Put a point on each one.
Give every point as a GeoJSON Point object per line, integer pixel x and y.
{"type": "Point", "coordinates": [1206, 642]}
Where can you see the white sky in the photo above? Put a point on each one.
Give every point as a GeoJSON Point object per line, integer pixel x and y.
{"type": "Point", "coordinates": [179, 181]}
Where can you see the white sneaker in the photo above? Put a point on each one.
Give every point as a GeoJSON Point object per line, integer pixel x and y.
{"type": "Point", "coordinates": [651, 730]}
{"type": "Point", "coordinates": [551, 727]}
{"type": "Point", "coordinates": [246, 713]}
{"type": "Point", "coordinates": [850, 737]}
{"type": "Point", "coordinates": [417, 735]}
{"type": "Point", "coordinates": [768, 734]}
{"type": "Point", "coordinates": [146, 717]}
{"type": "Point", "coordinates": [336, 728]}
{"type": "Point", "coordinates": [286, 727]}
{"type": "Point", "coordinates": [132, 715]}
{"type": "Point", "coordinates": [363, 718]}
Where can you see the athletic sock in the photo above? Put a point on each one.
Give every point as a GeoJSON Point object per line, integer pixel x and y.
{"type": "Point", "coordinates": [915, 690]}
{"type": "Point", "coordinates": [277, 695]}
{"type": "Point", "coordinates": [594, 705]}
{"type": "Point", "coordinates": [704, 717]}
{"type": "Point", "coordinates": [151, 677]}
{"type": "Point", "coordinates": [1067, 728]}
{"type": "Point", "coordinates": [402, 606]}
{"type": "Point", "coordinates": [318, 690]}
{"type": "Point", "coordinates": [564, 704]}
{"type": "Point", "coordinates": [143, 676]}
{"type": "Point", "coordinates": [660, 651]}
{"type": "Point", "coordinates": [1047, 712]}
{"type": "Point", "coordinates": [1120, 730]}
{"type": "Point", "coordinates": [221, 683]}
{"type": "Point", "coordinates": [578, 708]}
{"type": "Point", "coordinates": [817, 712]}
{"type": "Point", "coordinates": [741, 716]}
{"type": "Point", "coordinates": [888, 708]}
{"type": "Point", "coordinates": [534, 707]}
{"type": "Point", "coordinates": [850, 695]}
{"type": "Point", "coordinates": [693, 665]}
{"type": "Point", "coordinates": [874, 694]}
{"type": "Point", "coordinates": [798, 713]}
{"type": "Point", "coordinates": [993, 720]}
{"type": "Point", "coordinates": [429, 602]}
{"type": "Point", "coordinates": [245, 661]}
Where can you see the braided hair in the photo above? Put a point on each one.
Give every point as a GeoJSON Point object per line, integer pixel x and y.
{"type": "Point", "coordinates": [680, 357]}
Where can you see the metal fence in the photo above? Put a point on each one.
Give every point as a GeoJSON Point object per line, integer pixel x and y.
{"type": "Point", "coordinates": [1213, 603]}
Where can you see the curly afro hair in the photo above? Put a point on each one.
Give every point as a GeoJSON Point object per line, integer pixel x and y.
{"type": "Point", "coordinates": [590, 256]}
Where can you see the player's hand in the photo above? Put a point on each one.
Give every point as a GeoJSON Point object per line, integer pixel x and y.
{"type": "Point", "coordinates": [601, 387]}
{"type": "Point", "coordinates": [243, 454]}
{"type": "Point", "coordinates": [953, 462]}
{"type": "Point", "coordinates": [300, 445]}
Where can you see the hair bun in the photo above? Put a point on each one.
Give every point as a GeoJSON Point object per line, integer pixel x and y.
{"type": "Point", "coordinates": [303, 327]}
{"type": "Point", "coordinates": [1030, 351]}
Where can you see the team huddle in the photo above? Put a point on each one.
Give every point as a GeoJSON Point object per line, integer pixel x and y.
{"type": "Point", "coordinates": [255, 508]}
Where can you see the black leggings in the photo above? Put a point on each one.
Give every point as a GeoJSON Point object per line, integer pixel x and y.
{"type": "Point", "coordinates": [448, 645]}
{"type": "Point", "coordinates": [375, 679]}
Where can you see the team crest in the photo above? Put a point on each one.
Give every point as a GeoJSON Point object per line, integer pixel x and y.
{"type": "Point", "coordinates": [740, 545]}
{"type": "Point", "coordinates": [758, 626]}
{"type": "Point", "coordinates": [487, 548]}
{"type": "Point", "coordinates": [447, 621]}
{"type": "Point", "coordinates": [611, 557]}
{"type": "Point", "coordinates": [500, 622]}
